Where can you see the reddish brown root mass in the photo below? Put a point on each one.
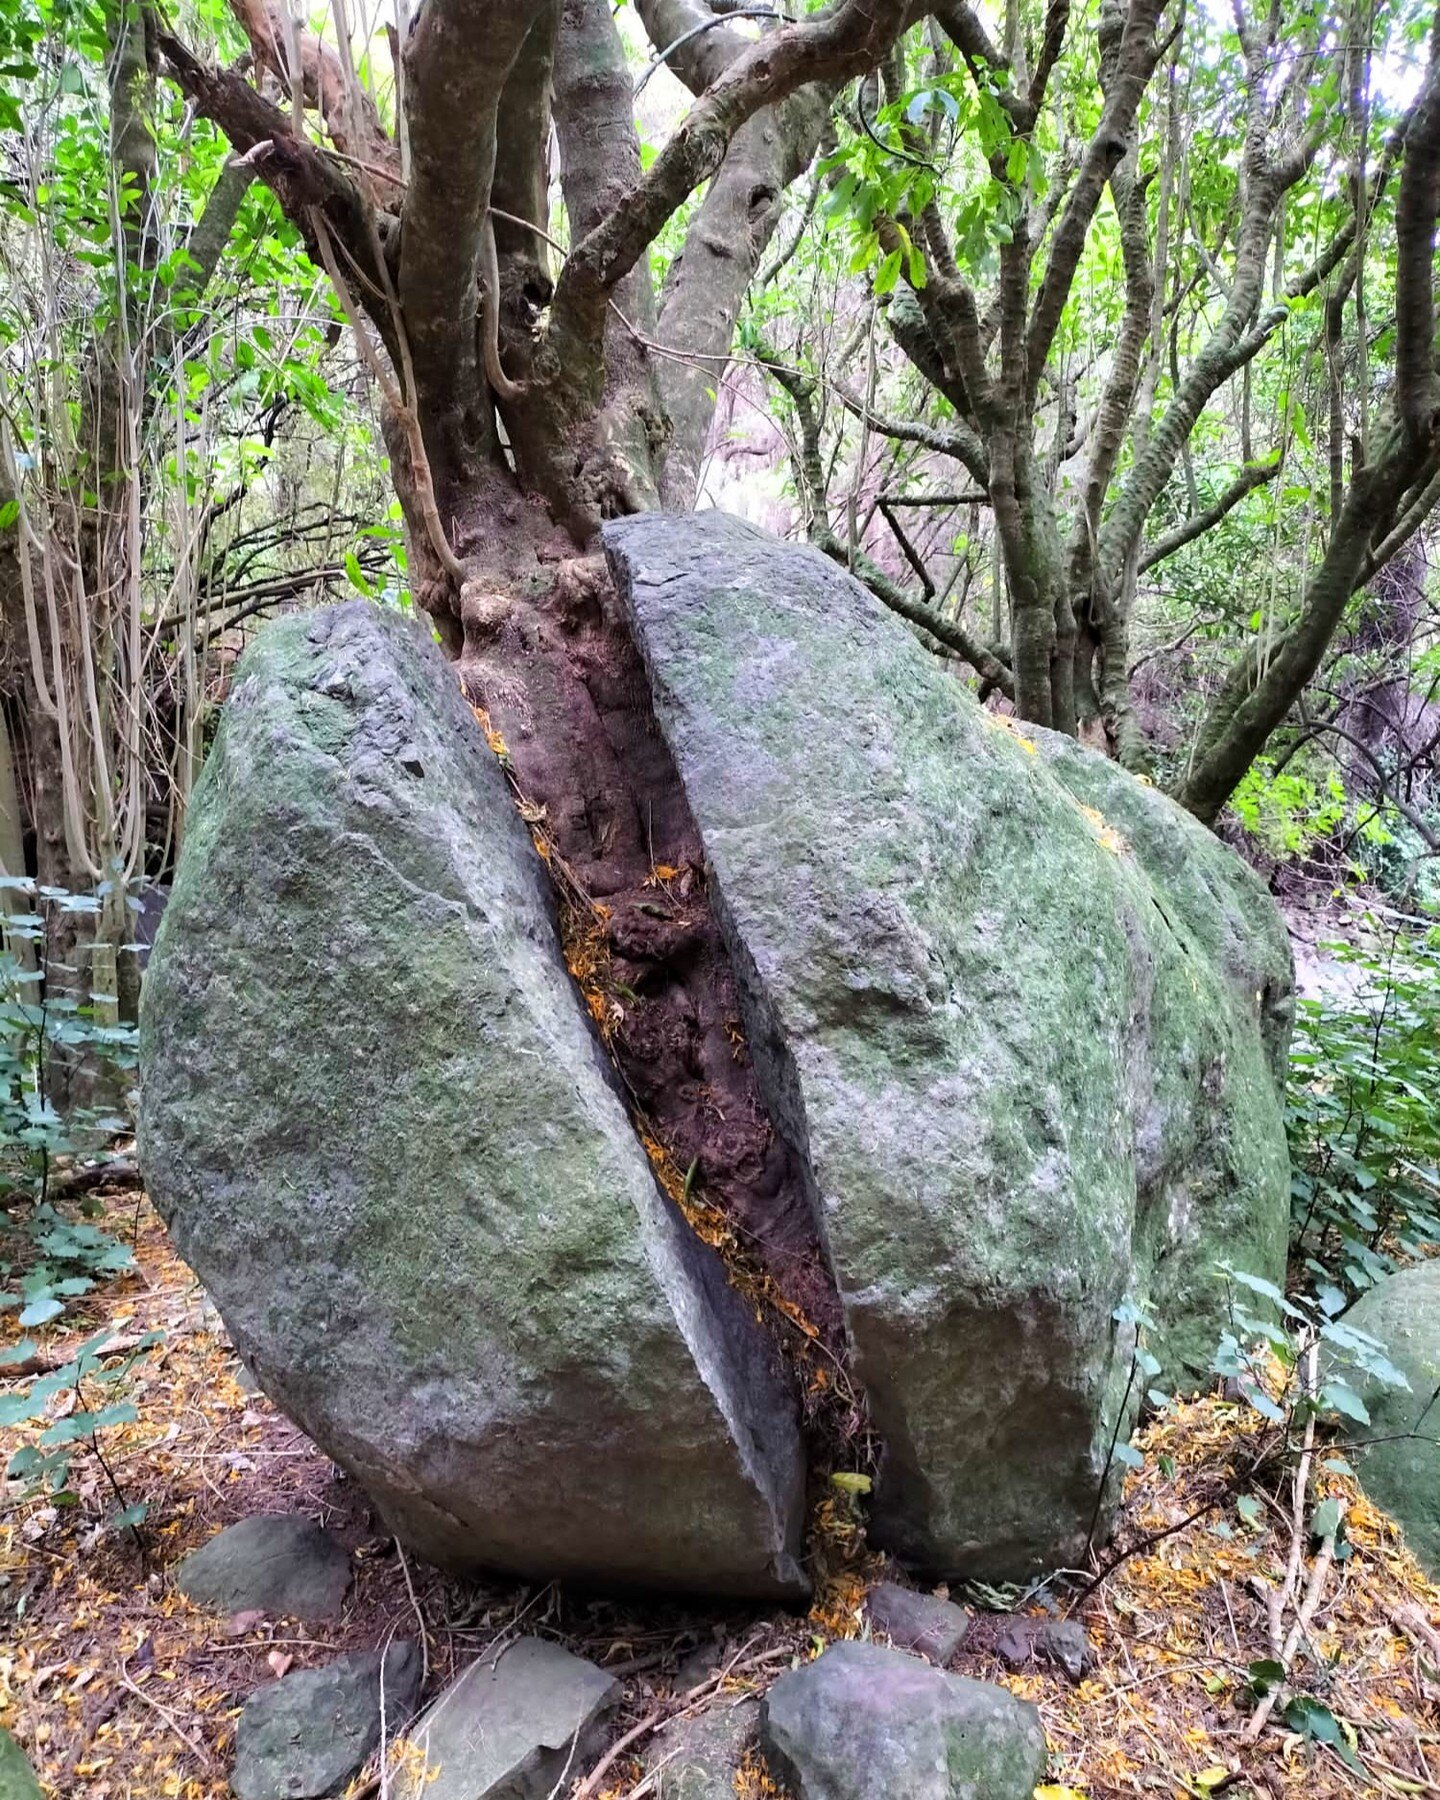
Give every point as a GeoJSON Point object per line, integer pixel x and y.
{"type": "Point", "coordinates": [560, 685]}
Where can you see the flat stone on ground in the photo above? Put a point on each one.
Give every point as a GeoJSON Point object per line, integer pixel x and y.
{"type": "Point", "coordinates": [865, 1723]}
{"type": "Point", "coordinates": [1059, 1641]}
{"type": "Point", "coordinates": [931, 1628]}
{"type": "Point", "coordinates": [278, 1563]}
{"type": "Point", "coordinates": [519, 1727]}
{"type": "Point", "coordinates": [306, 1736]}
{"type": "Point", "coordinates": [696, 1759]}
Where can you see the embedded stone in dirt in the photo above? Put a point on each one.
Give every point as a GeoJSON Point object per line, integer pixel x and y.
{"type": "Point", "coordinates": [309, 1734]}
{"type": "Point", "coordinates": [1059, 1641]}
{"type": "Point", "coordinates": [377, 1120]}
{"type": "Point", "coordinates": [278, 1563]}
{"type": "Point", "coordinates": [520, 1727]}
{"type": "Point", "coordinates": [865, 1723]}
{"type": "Point", "coordinates": [696, 1758]}
{"type": "Point", "coordinates": [930, 1627]}
{"type": "Point", "coordinates": [1400, 1469]}
{"type": "Point", "coordinates": [1023, 1020]}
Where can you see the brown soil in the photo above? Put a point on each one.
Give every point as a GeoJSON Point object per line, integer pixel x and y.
{"type": "Point", "coordinates": [119, 1689]}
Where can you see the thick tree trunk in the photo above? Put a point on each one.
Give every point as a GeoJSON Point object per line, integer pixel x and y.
{"type": "Point", "coordinates": [547, 660]}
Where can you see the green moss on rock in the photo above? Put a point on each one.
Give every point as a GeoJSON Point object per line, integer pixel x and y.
{"type": "Point", "coordinates": [1023, 1019]}
{"type": "Point", "coordinates": [377, 1122]}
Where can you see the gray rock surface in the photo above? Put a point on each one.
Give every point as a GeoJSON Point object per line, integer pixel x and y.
{"type": "Point", "coordinates": [931, 1628]}
{"type": "Point", "coordinates": [863, 1723]}
{"type": "Point", "coordinates": [520, 1727]}
{"type": "Point", "coordinates": [1023, 1018]}
{"type": "Point", "coordinates": [309, 1734]}
{"type": "Point", "coordinates": [1402, 1472]}
{"type": "Point", "coordinates": [17, 1778]}
{"type": "Point", "coordinates": [696, 1758]}
{"type": "Point", "coordinates": [281, 1563]}
{"type": "Point", "coordinates": [377, 1122]}
{"type": "Point", "coordinates": [1059, 1641]}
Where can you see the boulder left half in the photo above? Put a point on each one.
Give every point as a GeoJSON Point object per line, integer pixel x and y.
{"type": "Point", "coordinates": [376, 1119]}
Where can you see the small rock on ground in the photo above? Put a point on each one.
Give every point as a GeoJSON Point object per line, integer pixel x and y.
{"type": "Point", "coordinates": [698, 1665]}
{"type": "Point", "coordinates": [696, 1759]}
{"type": "Point", "coordinates": [865, 1723]}
{"type": "Point", "coordinates": [521, 1727]}
{"type": "Point", "coordinates": [278, 1563]}
{"type": "Point", "coordinates": [1060, 1641]}
{"type": "Point", "coordinates": [931, 1628]}
{"type": "Point", "coordinates": [308, 1735]}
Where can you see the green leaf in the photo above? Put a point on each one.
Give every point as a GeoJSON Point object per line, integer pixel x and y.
{"type": "Point", "coordinates": [357, 575]}
{"type": "Point", "coordinates": [888, 273]}
{"type": "Point", "coordinates": [1265, 1675]}
{"type": "Point", "coordinates": [1325, 1521]}
{"type": "Point", "coordinates": [1312, 1720]}
{"type": "Point", "coordinates": [1336, 1396]}
{"type": "Point", "coordinates": [42, 1311]}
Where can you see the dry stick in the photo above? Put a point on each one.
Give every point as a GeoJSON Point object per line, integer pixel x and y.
{"type": "Point", "coordinates": [419, 1616]}
{"type": "Point", "coordinates": [404, 411]}
{"type": "Point", "coordinates": [651, 1781]}
{"type": "Point", "coordinates": [564, 1775]}
{"type": "Point", "coordinates": [660, 1714]}
{"type": "Point", "coordinates": [205, 1757]}
{"type": "Point", "coordinates": [1285, 1645]}
{"type": "Point", "coordinates": [1413, 1623]}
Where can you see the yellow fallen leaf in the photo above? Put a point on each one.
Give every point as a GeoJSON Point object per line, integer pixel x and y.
{"type": "Point", "coordinates": [1053, 1792]}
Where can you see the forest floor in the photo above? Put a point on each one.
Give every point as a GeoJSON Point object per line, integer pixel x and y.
{"type": "Point", "coordinates": [119, 1689]}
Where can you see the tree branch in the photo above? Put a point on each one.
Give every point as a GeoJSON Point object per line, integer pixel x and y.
{"type": "Point", "coordinates": [349, 112]}
{"type": "Point", "coordinates": [843, 41]}
{"type": "Point", "coordinates": [810, 478]}
{"type": "Point", "coordinates": [457, 60]}
{"type": "Point", "coordinates": [1186, 532]}
{"type": "Point", "coordinates": [1135, 62]}
{"type": "Point", "coordinates": [302, 177]}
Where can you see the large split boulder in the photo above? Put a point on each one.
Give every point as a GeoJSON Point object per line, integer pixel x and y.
{"type": "Point", "coordinates": [1022, 1019]}
{"type": "Point", "coordinates": [378, 1124]}
{"type": "Point", "coordinates": [1400, 1467]}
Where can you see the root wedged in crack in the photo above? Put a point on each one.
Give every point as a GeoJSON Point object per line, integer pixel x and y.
{"type": "Point", "coordinates": [565, 706]}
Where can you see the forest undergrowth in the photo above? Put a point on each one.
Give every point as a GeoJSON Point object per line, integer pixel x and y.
{"type": "Point", "coordinates": [119, 1689]}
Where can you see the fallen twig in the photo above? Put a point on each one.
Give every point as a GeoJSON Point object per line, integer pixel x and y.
{"type": "Point", "coordinates": [170, 1719]}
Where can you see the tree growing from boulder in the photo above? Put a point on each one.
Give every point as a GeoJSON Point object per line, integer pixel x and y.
{"type": "Point", "coordinates": [521, 410]}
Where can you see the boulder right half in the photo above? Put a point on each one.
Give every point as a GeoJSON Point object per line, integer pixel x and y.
{"type": "Point", "coordinates": [1022, 1018]}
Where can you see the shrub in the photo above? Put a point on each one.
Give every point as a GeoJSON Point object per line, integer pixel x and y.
{"type": "Point", "coordinates": [1364, 1123]}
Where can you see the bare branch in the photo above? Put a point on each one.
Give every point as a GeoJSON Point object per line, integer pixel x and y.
{"type": "Point", "coordinates": [810, 478]}
{"type": "Point", "coordinates": [302, 177]}
{"type": "Point", "coordinates": [457, 60]}
{"type": "Point", "coordinates": [1246, 482]}
{"type": "Point", "coordinates": [348, 111]}
{"type": "Point", "coordinates": [845, 40]}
